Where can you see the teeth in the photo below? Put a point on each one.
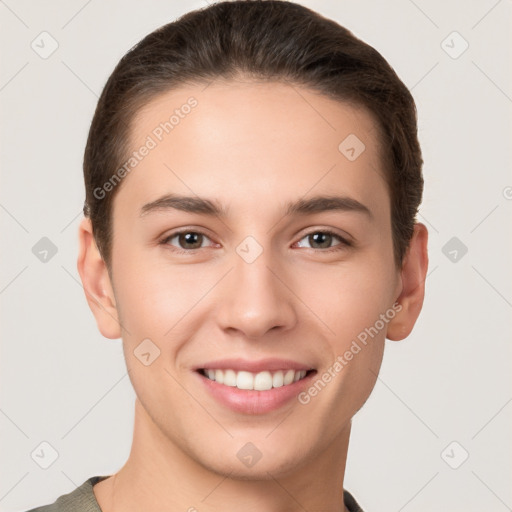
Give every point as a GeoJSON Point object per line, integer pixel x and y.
{"type": "Point", "coordinates": [229, 378]}
{"type": "Point", "coordinates": [261, 381]}
{"type": "Point", "coordinates": [289, 377]}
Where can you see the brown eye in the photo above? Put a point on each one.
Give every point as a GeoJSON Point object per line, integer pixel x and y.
{"type": "Point", "coordinates": [190, 240]}
{"type": "Point", "coordinates": [323, 239]}
{"type": "Point", "coordinates": [187, 240]}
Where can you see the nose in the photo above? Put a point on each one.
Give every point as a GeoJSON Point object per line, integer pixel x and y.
{"type": "Point", "coordinates": [256, 298]}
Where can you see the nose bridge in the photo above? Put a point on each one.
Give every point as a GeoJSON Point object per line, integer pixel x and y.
{"type": "Point", "coordinates": [256, 300]}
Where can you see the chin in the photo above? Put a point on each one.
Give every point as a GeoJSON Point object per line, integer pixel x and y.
{"type": "Point", "coordinates": [263, 467]}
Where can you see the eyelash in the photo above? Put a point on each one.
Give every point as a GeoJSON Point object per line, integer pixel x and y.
{"type": "Point", "coordinates": [342, 245]}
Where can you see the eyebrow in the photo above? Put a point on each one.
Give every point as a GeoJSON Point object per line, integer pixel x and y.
{"type": "Point", "coordinates": [204, 206]}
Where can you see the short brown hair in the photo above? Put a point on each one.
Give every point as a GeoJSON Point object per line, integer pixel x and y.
{"type": "Point", "coordinates": [261, 39]}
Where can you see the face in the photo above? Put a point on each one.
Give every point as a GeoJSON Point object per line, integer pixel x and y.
{"type": "Point", "coordinates": [276, 275]}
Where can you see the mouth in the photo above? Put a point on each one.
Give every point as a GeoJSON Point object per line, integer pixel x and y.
{"type": "Point", "coordinates": [255, 387]}
{"type": "Point", "coordinates": [261, 381]}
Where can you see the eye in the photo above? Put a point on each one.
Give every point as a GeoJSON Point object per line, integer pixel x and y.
{"type": "Point", "coordinates": [188, 240]}
{"type": "Point", "coordinates": [324, 238]}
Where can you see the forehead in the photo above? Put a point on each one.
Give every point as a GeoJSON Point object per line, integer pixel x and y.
{"type": "Point", "coordinates": [242, 141]}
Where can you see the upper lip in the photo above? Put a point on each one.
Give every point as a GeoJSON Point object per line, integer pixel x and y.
{"type": "Point", "coordinates": [238, 364]}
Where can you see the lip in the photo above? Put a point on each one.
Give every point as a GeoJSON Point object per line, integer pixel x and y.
{"type": "Point", "coordinates": [239, 364]}
{"type": "Point", "coordinates": [249, 401]}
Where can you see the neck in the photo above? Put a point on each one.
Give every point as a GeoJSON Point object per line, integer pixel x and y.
{"type": "Point", "coordinates": [158, 471]}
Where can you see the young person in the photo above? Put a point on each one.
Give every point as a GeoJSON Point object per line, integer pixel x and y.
{"type": "Point", "coordinates": [252, 179]}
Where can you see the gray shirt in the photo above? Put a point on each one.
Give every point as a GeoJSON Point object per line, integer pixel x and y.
{"type": "Point", "coordinates": [82, 499]}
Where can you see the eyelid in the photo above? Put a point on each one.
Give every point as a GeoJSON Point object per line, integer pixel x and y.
{"type": "Point", "coordinates": [166, 238]}
{"type": "Point", "coordinates": [345, 242]}
{"type": "Point", "coordinates": [342, 235]}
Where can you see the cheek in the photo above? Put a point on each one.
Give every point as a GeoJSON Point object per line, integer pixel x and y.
{"type": "Point", "coordinates": [353, 311]}
{"type": "Point", "coordinates": [350, 297]}
{"type": "Point", "coordinates": [154, 296]}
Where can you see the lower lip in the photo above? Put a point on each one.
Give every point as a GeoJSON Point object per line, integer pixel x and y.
{"type": "Point", "coordinates": [250, 401]}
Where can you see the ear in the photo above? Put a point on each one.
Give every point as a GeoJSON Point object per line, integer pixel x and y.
{"type": "Point", "coordinates": [412, 276]}
{"type": "Point", "coordinates": [96, 282]}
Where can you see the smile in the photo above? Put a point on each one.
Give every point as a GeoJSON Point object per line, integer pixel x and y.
{"type": "Point", "coordinates": [261, 381]}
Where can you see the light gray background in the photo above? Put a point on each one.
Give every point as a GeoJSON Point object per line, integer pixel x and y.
{"type": "Point", "coordinates": [65, 384]}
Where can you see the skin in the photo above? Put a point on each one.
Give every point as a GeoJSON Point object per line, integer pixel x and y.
{"type": "Point", "coordinates": [251, 147]}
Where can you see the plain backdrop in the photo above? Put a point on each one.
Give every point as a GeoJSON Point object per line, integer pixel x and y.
{"type": "Point", "coordinates": [435, 433]}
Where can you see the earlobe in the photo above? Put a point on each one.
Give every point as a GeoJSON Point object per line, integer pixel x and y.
{"type": "Point", "coordinates": [96, 282]}
{"type": "Point", "coordinates": [413, 275]}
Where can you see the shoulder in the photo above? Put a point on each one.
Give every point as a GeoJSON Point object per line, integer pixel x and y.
{"type": "Point", "coordinates": [81, 499]}
{"type": "Point", "coordinates": [351, 502]}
